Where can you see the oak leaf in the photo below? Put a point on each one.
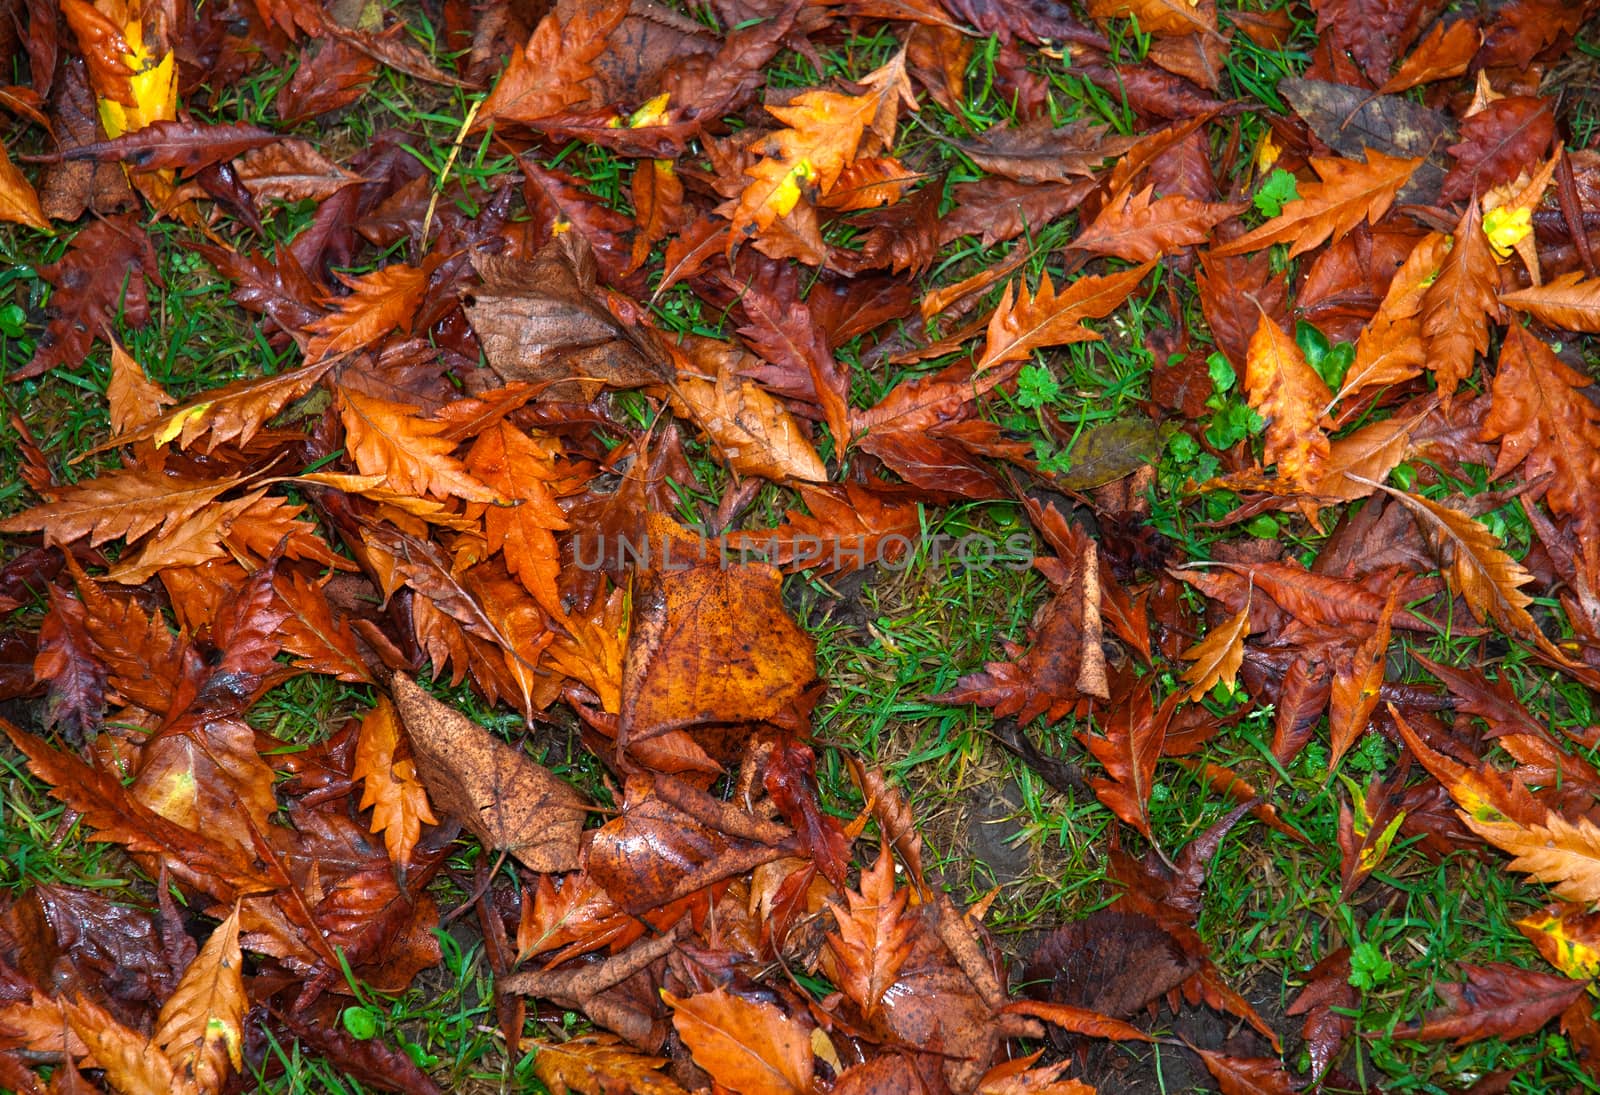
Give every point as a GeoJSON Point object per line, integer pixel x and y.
{"type": "Point", "coordinates": [1347, 194]}
{"type": "Point", "coordinates": [391, 440]}
{"type": "Point", "coordinates": [1140, 228]}
{"type": "Point", "coordinates": [390, 786]}
{"type": "Point", "coordinates": [824, 133]}
{"type": "Point", "coordinates": [385, 300]}
{"type": "Point", "coordinates": [874, 936]}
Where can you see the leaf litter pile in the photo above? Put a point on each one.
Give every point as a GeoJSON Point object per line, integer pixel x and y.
{"type": "Point", "coordinates": [544, 423]}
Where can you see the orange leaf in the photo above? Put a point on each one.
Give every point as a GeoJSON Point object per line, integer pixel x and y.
{"type": "Point", "coordinates": [1079, 1020]}
{"type": "Point", "coordinates": [1164, 17]}
{"type": "Point", "coordinates": [1293, 399]}
{"type": "Point", "coordinates": [130, 1066]}
{"type": "Point", "coordinates": [390, 440]}
{"type": "Point", "coordinates": [135, 401]}
{"type": "Point", "coordinates": [1020, 326]}
{"type": "Point", "coordinates": [383, 301]}
{"type": "Point", "coordinates": [547, 75]}
{"type": "Point", "coordinates": [596, 1064]}
{"type": "Point", "coordinates": [19, 202]}
{"type": "Point", "coordinates": [1357, 679]}
{"type": "Point", "coordinates": [1348, 193]}
{"type": "Point", "coordinates": [753, 1049]}
{"type": "Point", "coordinates": [1458, 306]}
{"type": "Point", "coordinates": [874, 937]}
{"type": "Point", "coordinates": [1218, 656]}
{"type": "Point", "coordinates": [124, 504]}
{"type": "Point", "coordinates": [1390, 348]}
{"type": "Point", "coordinates": [1136, 228]}
{"type": "Point", "coordinates": [1445, 52]}
{"type": "Point", "coordinates": [823, 135]}
{"type": "Point", "coordinates": [389, 786]}
{"type": "Point", "coordinates": [1571, 301]}
{"type": "Point", "coordinates": [751, 430]}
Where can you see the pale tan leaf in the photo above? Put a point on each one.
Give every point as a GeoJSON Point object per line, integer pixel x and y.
{"type": "Point", "coordinates": [201, 1026]}
{"type": "Point", "coordinates": [1218, 656]}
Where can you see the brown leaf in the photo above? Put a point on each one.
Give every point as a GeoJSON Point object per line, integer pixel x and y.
{"type": "Point", "coordinates": [130, 1066]}
{"type": "Point", "coordinates": [1247, 1075]}
{"type": "Point", "coordinates": [1495, 1001]}
{"type": "Point", "coordinates": [122, 505]}
{"type": "Point", "coordinates": [1347, 193]}
{"type": "Point", "coordinates": [542, 320]}
{"type": "Point", "coordinates": [1357, 683]}
{"type": "Point", "coordinates": [749, 1048]}
{"type": "Point", "coordinates": [492, 788]}
{"type": "Point", "coordinates": [1497, 143]}
{"type": "Point", "coordinates": [1037, 152]}
{"type": "Point", "coordinates": [1079, 1021]}
{"type": "Point", "coordinates": [709, 643]}
{"type": "Point", "coordinates": [1545, 424]}
{"type": "Point", "coordinates": [849, 527]}
{"type": "Point", "coordinates": [89, 282]}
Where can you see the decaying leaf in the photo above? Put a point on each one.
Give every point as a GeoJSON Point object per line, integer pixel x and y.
{"type": "Point", "coordinates": [491, 787]}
